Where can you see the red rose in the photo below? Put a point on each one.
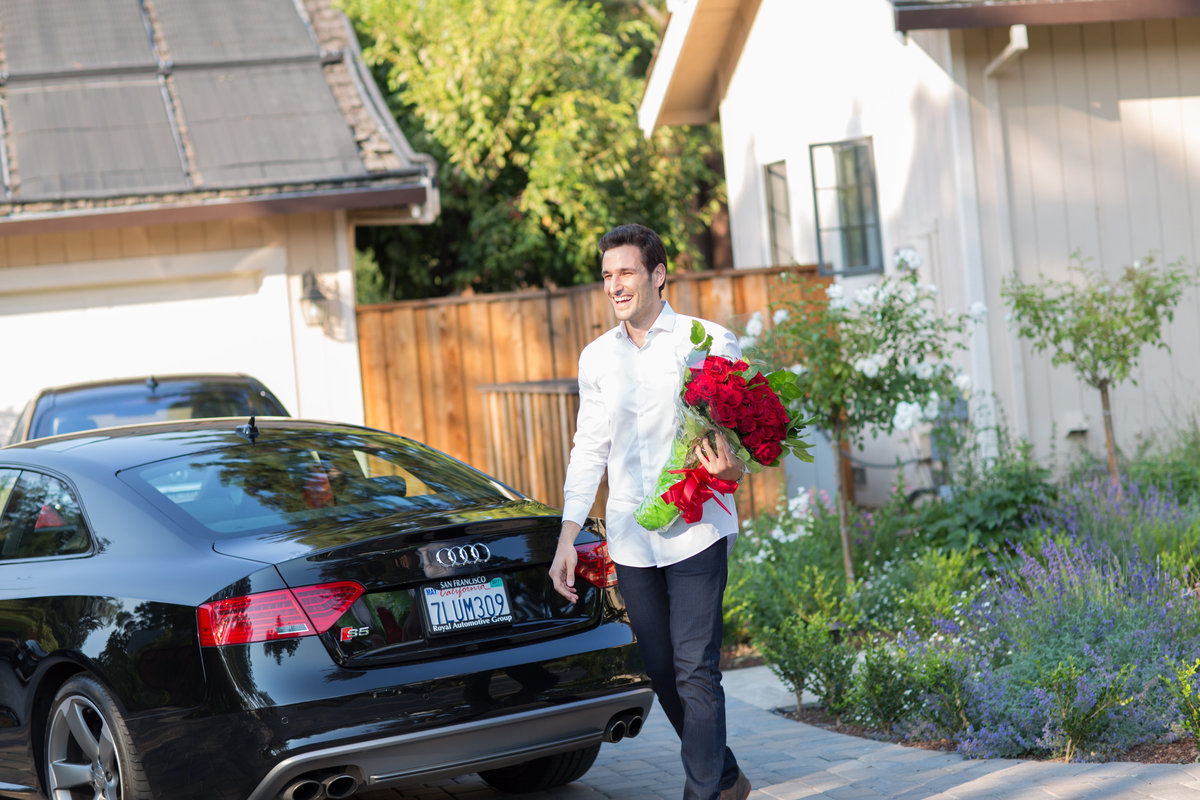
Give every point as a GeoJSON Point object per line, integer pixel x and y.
{"type": "Point", "coordinates": [717, 367]}
{"type": "Point", "coordinates": [767, 452]}
{"type": "Point", "coordinates": [724, 413]}
{"type": "Point", "coordinates": [705, 386]}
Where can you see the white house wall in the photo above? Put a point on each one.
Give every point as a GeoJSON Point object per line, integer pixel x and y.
{"type": "Point", "coordinates": [1099, 155]}
{"type": "Point", "coordinates": [814, 72]}
{"type": "Point", "coordinates": [220, 296]}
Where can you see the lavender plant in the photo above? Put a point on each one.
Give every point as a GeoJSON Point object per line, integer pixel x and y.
{"type": "Point", "coordinates": [1072, 602]}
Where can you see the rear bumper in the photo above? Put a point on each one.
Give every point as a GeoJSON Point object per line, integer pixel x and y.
{"type": "Point", "coordinates": [461, 748]}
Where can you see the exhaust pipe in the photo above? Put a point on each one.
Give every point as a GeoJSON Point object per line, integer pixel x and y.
{"type": "Point", "coordinates": [616, 729]}
{"type": "Point", "coordinates": [339, 786]}
{"type": "Point", "coordinates": [336, 785]}
{"type": "Point", "coordinates": [303, 789]}
{"type": "Point", "coordinates": [633, 723]}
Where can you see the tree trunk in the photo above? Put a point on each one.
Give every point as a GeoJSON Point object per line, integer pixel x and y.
{"type": "Point", "coordinates": [1110, 439]}
{"type": "Point", "coordinates": [843, 501]}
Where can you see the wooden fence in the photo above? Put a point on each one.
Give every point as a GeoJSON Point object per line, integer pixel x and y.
{"type": "Point", "coordinates": [489, 379]}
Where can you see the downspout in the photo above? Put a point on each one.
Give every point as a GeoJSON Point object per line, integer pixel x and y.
{"type": "Point", "coordinates": [1018, 43]}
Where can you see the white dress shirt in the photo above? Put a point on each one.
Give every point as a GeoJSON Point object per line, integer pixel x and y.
{"type": "Point", "coordinates": [627, 421]}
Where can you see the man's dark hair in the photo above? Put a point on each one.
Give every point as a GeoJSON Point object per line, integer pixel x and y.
{"type": "Point", "coordinates": [648, 243]}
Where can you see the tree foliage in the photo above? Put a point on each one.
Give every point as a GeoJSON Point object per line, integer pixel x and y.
{"type": "Point", "coordinates": [529, 108]}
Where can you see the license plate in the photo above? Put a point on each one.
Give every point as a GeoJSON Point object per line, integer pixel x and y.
{"type": "Point", "coordinates": [462, 604]}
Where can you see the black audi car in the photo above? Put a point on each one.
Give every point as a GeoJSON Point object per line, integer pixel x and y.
{"type": "Point", "coordinates": [274, 608]}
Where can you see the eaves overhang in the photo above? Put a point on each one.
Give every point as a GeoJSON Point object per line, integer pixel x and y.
{"type": "Point", "coordinates": [913, 15]}
{"type": "Point", "coordinates": [411, 197]}
{"type": "Point", "coordinates": [692, 66]}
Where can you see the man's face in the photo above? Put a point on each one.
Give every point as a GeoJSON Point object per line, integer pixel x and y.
{"type": "Point", "coordinates": [632, 289]}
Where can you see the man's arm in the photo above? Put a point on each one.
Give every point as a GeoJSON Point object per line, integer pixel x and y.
{"type": "Point", "coordinates": [562, 569]}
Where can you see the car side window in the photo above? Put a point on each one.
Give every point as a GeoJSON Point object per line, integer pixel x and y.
{"type": "Point", "coordinates": [40, 517]}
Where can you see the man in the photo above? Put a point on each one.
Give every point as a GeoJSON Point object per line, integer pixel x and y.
{"type": "Point", "coordinates": [672, 580]}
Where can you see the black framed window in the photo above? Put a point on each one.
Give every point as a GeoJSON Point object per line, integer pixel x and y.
{"type": "Point", "coordinates": [846, 206]}
{"type": "Point", "coordinates": [779, 213]}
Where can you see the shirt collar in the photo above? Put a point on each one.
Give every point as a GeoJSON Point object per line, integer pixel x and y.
{"type": "Point", "coordinates": [665, 321]}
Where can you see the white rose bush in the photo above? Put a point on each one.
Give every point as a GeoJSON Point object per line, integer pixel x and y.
{"type": "Point", "coordinates": [872, 360]}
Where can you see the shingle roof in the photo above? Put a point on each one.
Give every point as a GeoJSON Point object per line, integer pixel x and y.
{"type": "Point", "coordinates": [124, 104]}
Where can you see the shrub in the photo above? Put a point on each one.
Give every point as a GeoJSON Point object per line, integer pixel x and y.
{"type": "Point", "coordinates": [833, 674]}
{"type": "Point", "coordinates": [1079, 706]}
{"type": "Point", "coordinates": [991, 504]}
{"type": "Point", "coordinates": [884, 687]}
{"type": "Point", "coordinates": [1182, 683]}
{"type": "Point", "coordinates": [792, 650]}
{"type": "Point", "coordinates": [913, 593]}
{"type": "Point", "coordinates": [787, 564]}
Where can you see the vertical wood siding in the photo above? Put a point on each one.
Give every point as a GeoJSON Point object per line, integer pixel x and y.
{"type": "Point", "coordinates": [424, 363]}
{"type": "Point", "coordinates": [1101, 157]}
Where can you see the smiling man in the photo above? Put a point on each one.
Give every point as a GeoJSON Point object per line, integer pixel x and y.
{"type": "Point", "coordinates": [672, 580]}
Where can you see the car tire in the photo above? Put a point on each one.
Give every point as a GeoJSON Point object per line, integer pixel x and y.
{"type": "Point", "coordinates": [543, 773]}
{"type": "Point", "coordinates": [88, 751]}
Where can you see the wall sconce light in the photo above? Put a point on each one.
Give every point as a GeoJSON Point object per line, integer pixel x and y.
{"type": "Point", "coordinates": [314, 304]}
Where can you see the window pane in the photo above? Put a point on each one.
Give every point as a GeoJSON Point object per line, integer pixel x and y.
{"type": "Point", "coordinates": [281, 484]}
{"type": "Point", "coordinates": [779, 214]}
{"type": "Point", "coordinates": [41, 519]}
{"type": "Point", "coordinates": [847, 211]}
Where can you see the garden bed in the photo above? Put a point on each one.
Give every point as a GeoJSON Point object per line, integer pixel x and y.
{"type": "Point", "coordinates": [1183, 751]}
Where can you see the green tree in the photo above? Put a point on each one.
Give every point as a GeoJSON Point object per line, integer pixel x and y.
{"type": "Point", "coordinates": [873, 361]}
{"type": "Point", "coordinates": [529, 107]}
{"type": "Point", "coordinates": [1099, 325]}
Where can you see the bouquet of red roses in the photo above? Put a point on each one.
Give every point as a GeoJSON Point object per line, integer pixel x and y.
{"type": "Point", "coordinates": [723, 397]}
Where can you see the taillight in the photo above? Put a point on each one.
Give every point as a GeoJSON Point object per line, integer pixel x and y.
{"type": "Point", "coordinates": [282, 614]}
{"type": "Point", "coordinates": [594, 565]}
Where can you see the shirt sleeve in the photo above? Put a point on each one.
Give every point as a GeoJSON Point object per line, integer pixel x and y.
{"type": "Point", "coordinates": [724, 342]}
{"type": "Point", "coordinates": [589, 453]}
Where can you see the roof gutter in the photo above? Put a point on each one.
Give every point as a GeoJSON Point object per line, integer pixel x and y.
{"type": "Point", "coordinates": [911, 16]}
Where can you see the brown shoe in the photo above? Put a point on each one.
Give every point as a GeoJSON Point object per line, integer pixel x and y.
{"type": "Point", "coordinates": [740, 789]}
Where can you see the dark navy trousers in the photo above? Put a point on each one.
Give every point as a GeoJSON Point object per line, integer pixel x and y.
{"type": "Point", "coordinates": [676, 615]}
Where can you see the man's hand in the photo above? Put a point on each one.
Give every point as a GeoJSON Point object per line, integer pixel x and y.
{"type": "Point", "coordinates": [562, 568]}
{"type": "Point", "coordinates": [719, 460]}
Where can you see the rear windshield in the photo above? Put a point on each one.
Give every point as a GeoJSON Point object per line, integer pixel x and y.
{"type": "Point", "coordinates": [273, 485]}
{"type": "Point", "coordinates": [109, 406]}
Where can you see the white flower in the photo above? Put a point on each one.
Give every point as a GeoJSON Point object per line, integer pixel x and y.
{"type": "Point", "coordinates": [867, 295]}
{"type": "Point", "coordinates": [924, 370]}
{"type": "Point", "coordinates": [867, 367]}
{"type": "Point", "coordinates": [780, 316]}
{"type": "Point", "coordinates": [907, 258]}
{"type": "Point", "coordinates": [798, 369]}
{"type": "Point", "coordinates": [798, 505]}
{"type": "Point", "coordinates": [962, 382]}
{"type": "Point", "coordinates": [907, 414]}
{"type": "Point", "coordinates": [977, 310]}
{"type": "Point", "coordinates": [932, 406]}
{"type": "Point", "coordinates": [834, 291]}
{"type": "Point", "coordinates": [746, 342]}
{"type": "Point", "coordinates": [839, 302]}
{"type": "Point", "coordinates": [755, 326]}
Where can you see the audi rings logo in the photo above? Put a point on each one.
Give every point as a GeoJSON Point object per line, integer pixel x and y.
{"type": "Point", "coordinates": [463, 555]}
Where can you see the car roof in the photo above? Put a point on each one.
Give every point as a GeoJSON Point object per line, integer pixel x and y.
{"type": "Point", "coordinates": [113, 449]}
{"type": "Point", "coordinates": [142, 380]}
